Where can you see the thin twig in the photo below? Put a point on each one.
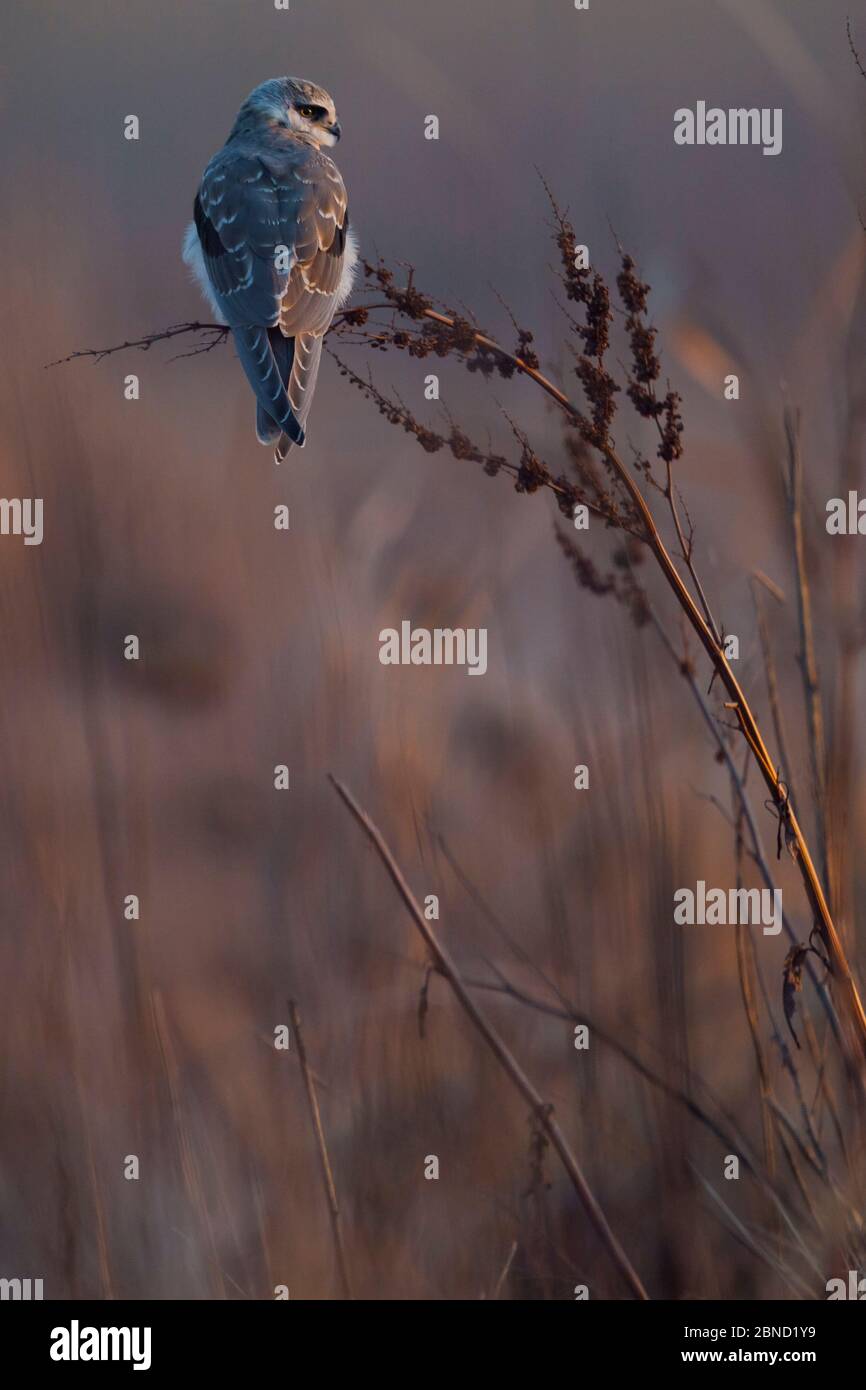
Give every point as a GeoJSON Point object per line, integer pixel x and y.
{"type": "Point", "coordinates": [756, 851]}
{"type": "Point", "coordinates": [806, 657]}
{"type": "Point", "coordinates": [541, 1110]}
{"type": "Point", "coordinates": [506, 1270]}
{"type": "Point", "coordinates": [852, 47]}
{"type": "Point", "coordinates": [214, 335]}
{"type": "Point", "coordinates": [773, 696]}
{"type": "Point", "coordinates": [322, 1149]}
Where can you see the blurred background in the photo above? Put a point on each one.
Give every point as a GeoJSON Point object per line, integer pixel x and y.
{"type": "Point", "coordinates": [259, 647]}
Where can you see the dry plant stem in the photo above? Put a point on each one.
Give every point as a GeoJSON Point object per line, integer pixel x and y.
{"type": "Point", "coordinates": [746, 965]}
{"type": "Point", "coordinates": [823, 1090]}
{"type": "Point", "coordinates": [849, 996]}
{"type": "Point", "coordinates": [773, 695]}
{"type": "Point", "coordinates": [566, 1010]}
{"type": "Point", "coordinates": [219, 333]}
{"type": "Point", "coordinates": [322, 1150]}
{"type": "Point", "coordinates": [808, 665]}
{"type": "Point", "coordinates": [742, 1233]}
{"type": "Point", "coordinates": [756, 850]}
{"type": "Point", "coordinates": [186, 1152]}
{"type": "Point", "coordinates": [730, 1139]}
{"type": "Point", "coordinates": [542, 1111]}
{"type": "Point", "coordinates": [732, 1142]}
{"type": "Point", "coordinates": [686, 552]}
{"type": "Point", "coordinates": [846, 608]}
{"type": "Point", "coordinates": [767, 1098]}
{"type": "Point", "coordinates": [505, 1271]}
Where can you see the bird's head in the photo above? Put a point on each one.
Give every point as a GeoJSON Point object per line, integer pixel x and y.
{"type": "Point", "coordinates": [292, 105]}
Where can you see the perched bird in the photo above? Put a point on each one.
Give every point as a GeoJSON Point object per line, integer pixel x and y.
{"type": "Point", "coordinates": [271, 249]}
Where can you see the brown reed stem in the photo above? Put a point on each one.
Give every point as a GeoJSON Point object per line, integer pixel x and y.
{"type": "Point", "coordinates": [848, 993]}
{"type": "Point", "coordinates": [505, 1271]}
{"type": "Point", "coordinates": [806, 656]}
{"type": "Point", "coordinates": [773, 693]}
{"type": "Point", "coordinates": [541, 1109]}
{"type": "Point", "coordinates": [322, 1151]}
{"type": "Point", "coordinates": [756, 851]}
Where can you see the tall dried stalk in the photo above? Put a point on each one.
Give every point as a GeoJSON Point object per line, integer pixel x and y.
{"type": "Point", "coordinates": [186, 1151]}
{"type": "Point", "coordinates": [542, 1111]}
{"type": "Point", "coordinates": [322, 1152]}
{"type": "Point", "coordinates": [806, 656]}
{"type": "Point", "coordinates": [596, 384]}
{"type": "Point", "coordinates": [772, 680]}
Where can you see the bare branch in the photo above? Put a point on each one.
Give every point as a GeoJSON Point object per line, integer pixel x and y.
{"type": "Point", "coordinates": [542, 1111]}
{"type": "Point", "coordinates": [215, 333]}
{"type": "Point", "coordinates": [852, 47]}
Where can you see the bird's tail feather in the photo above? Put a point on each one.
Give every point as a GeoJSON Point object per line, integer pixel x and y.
{"type": "Point", "coordinates": [256, 356]}
{"type": "Point", "coordinates": [283, 348]}
{"type": "Point", "coordinates": [301, 384]}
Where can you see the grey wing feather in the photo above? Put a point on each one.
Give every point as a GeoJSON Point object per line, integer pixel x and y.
{"type": "Point", "coordinates": [320, 282]}
{"type": "Point", "coordinates": [305, 369]}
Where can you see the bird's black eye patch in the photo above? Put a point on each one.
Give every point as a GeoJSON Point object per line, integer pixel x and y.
{"type": "Point", "coordinates": [310, 112]}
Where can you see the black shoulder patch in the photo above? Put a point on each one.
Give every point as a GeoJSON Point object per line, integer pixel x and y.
{"type": "Point", "coordinates": [207, 232]}
{"type": "Point", "coordinates": [338, 245]}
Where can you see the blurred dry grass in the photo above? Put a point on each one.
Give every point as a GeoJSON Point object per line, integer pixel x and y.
{"type": "Point", "coordinates": [155, 1038]}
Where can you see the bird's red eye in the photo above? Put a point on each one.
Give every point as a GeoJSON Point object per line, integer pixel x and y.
{"type": "Point", "coordinates": [308, 111]}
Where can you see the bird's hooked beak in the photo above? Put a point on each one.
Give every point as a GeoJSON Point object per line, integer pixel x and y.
{"type": "Point", "coordinates": [336, 130]}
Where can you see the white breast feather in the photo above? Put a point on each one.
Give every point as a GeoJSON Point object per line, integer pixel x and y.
{"type": "Point", "coordinates": [192, 257]}
{"type": "Point", "coordinates": [350, 265]}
